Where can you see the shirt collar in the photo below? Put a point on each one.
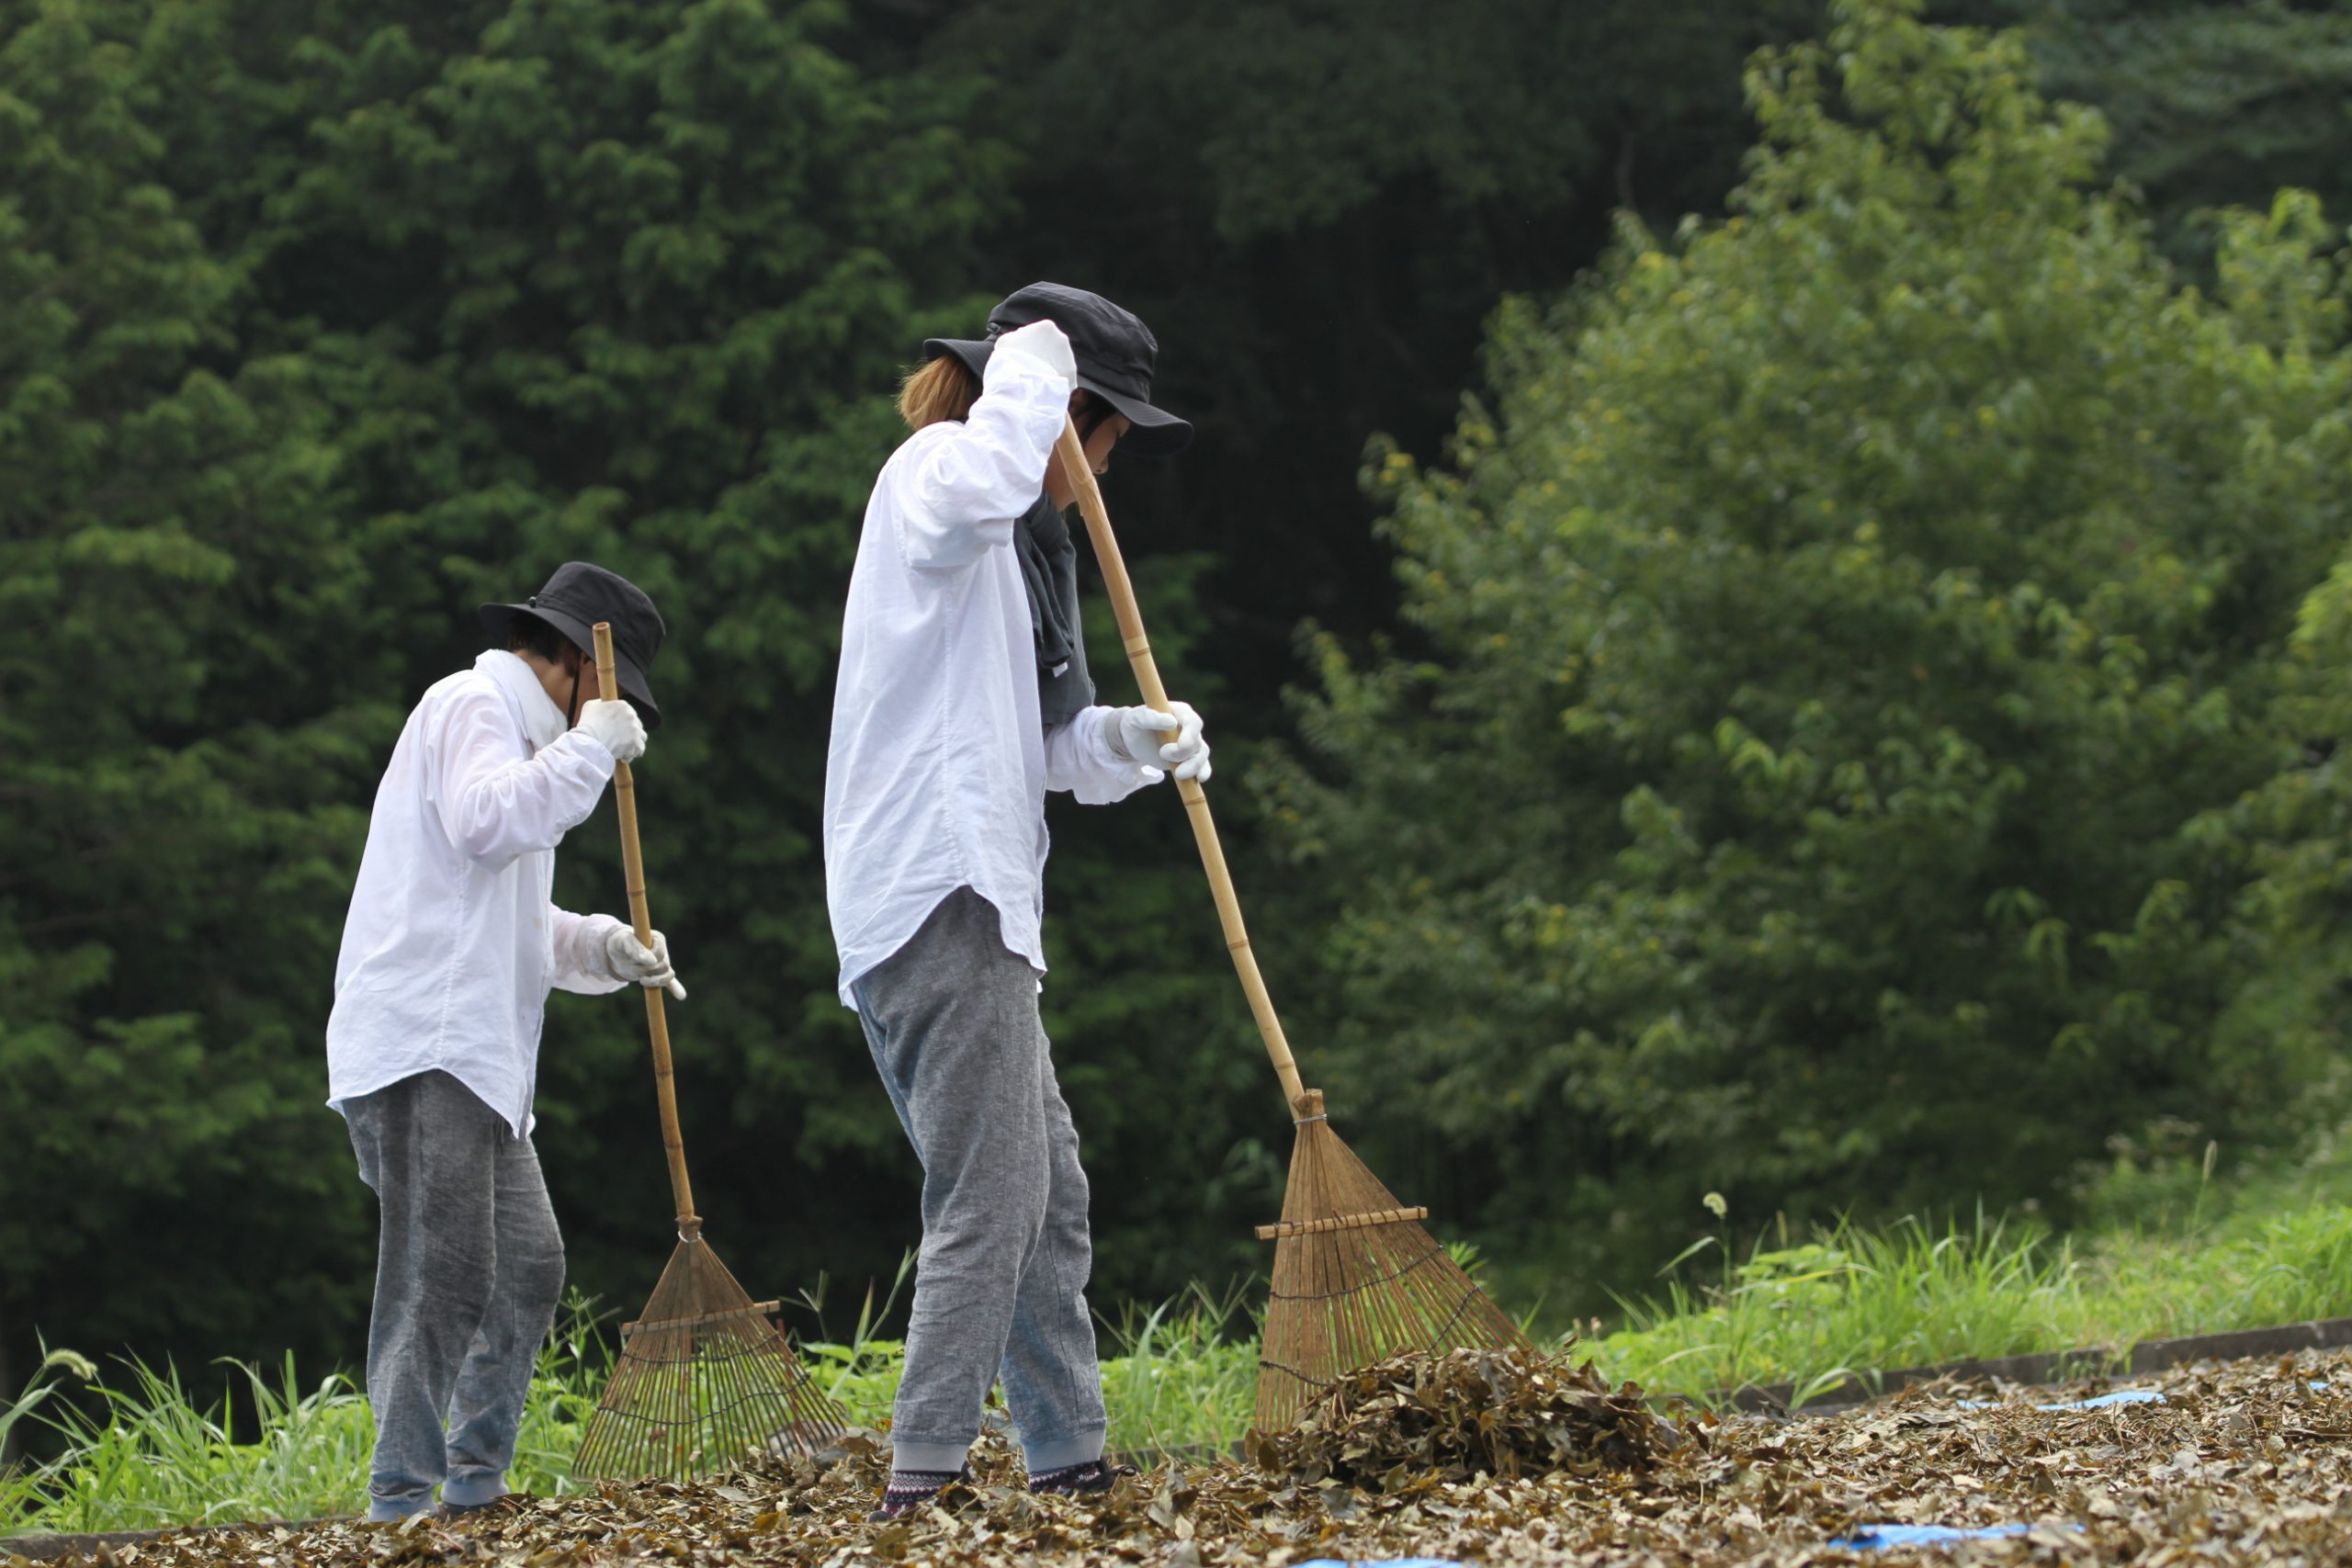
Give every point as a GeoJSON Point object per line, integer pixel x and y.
{"type": "Point", "coordinates": [542, 720]}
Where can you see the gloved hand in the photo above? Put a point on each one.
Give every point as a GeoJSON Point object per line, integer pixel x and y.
{"type": "Point", "coordinates": [617, 725]}
{"type": "Point", "coordinates": [630, 960]}
{"type": "Point", "coordinates": [1040, 344]}
{"type": "Point", "coordinates": [1170, 740]}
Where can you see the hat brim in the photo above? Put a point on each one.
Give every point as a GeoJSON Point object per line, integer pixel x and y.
{"type": "Point", "coordinates": [498, 620]}
{"type": "Point", "coordinates": [1152, 431]}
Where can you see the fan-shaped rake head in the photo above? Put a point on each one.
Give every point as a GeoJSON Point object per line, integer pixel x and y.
{"type": "Point", "coordinates": [1356, 1279]}
{"type": "Point", "coordinates": [705, 1381]}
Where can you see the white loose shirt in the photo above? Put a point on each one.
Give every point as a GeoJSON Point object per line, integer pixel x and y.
{"type": "Point", "coordinates": [940, 762]}
{"type": "Point", "coordinates": [452, 941]}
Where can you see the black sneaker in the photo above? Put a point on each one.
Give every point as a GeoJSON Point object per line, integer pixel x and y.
{"type": "Point", "coordinates": [911, 1489]}
{"type": "Point", "coordinates": [1078, 1479]}
{"type": "Point", "coordinates": [511, 1503]}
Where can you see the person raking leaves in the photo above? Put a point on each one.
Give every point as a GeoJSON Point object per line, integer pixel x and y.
{"type": "Point", "coordinates": [449, 950]}
{"type": "Point", "coordinates": [963, 697]}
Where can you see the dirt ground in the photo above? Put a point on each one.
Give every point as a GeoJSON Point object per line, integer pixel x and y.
{"type": "Point", "coordinates": [2239, 1463]}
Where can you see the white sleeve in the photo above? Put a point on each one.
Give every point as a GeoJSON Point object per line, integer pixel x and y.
{"type": "Point", "coordinates": [1080, 759]}
{"type": "Point", "coordinates": [960, 487]}
{"type": "Point", "coordinates": [580, 962]}
{"type": "Point", "coordinates": [496, 802]}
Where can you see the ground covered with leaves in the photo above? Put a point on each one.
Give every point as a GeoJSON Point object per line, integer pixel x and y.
{"type": "Point", "coordinates": [1499, 1459]}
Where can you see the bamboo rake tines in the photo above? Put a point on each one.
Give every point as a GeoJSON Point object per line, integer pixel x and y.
{"type": "Point", "coordinates": [1357, 1280]}
{"type": "Point", "coordinates": [701, 1387]}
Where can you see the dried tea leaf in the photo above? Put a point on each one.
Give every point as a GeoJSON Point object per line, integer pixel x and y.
{"type": "Point", "coordinates": [1504, 1465]}
{"type": "Point", "coordinates": [1467, 1413]}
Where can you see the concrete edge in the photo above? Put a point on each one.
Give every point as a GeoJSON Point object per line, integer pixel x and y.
{"type": "Point", "coordinates": [2046, 1367]}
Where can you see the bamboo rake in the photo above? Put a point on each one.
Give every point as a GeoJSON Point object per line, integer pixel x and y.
{"type": "Point", "coordinates": [1356, 1278]}
{"type": "Point", "coordinates": [706, 1379]}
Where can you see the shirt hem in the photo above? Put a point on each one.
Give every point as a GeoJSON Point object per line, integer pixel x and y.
{"type": "Point", "coordinates": [360, 1088]}
{"type": "Point", "coordinates": [852, 974]}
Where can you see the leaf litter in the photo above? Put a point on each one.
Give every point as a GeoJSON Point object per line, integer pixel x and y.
{"type": "Point", "coordinates": [1499, 1459]}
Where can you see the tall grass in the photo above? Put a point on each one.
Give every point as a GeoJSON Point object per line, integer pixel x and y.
{"type": "Point", "coordinates": [152, 1454]}
{"type": "Point", "coordinates": [43, 1385]}
{"type": "Point", "coordinates": [1185, 1377]}
{"type": "Point", "coordinates": [144, 1449]}
{"type": "Point", "coordinates": [1818, 1314]}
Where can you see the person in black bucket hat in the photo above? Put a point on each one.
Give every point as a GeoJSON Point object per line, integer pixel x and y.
{"type": "Point", "coordinates": [1115, 352]}
{"type": "Point", "coordinates": [576, 597]}
{"type": "Point", "coordinates": [449, 950]}
{"type": "Point", "coordinates": [963, 698]}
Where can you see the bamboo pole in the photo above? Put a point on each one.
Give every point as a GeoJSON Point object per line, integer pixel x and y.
{"type": "Point", "coordinates": [1080, 474]}
{"type": "Point", "coordinates": [656, 1020]}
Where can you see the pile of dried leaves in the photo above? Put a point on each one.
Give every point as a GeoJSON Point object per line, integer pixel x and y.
{"type": "Point", "coordinates": [1470, 1412]}
{"type": "Point", "coordinates": [2240, 1463]}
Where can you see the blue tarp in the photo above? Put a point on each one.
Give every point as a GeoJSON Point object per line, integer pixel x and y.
{"type": "Point", "coordinates": [2121, 1396]}
{"type": "Point", "coordinates": [1870, 1538]}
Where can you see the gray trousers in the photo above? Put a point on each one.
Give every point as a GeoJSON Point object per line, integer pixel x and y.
{"type": "Point", "coordinates": [468, 1270]}
{"type": "Point", "coordinates": [1000, 1280]}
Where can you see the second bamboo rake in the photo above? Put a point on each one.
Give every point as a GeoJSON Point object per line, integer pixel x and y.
{"type": "Point", "coordinates": [1356, 1277]}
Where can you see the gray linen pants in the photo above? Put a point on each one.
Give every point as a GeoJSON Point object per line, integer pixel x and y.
{"type": "Point", "coordinates": [1000, 1280]}
{"type": "Point", "coordinates": [468, 1270]}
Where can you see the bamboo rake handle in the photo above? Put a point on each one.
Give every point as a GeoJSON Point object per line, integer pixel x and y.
{"type": "Point", "coordinates": [1080, 473]}
{"type": "Point", "coordinates": [656, 1019]}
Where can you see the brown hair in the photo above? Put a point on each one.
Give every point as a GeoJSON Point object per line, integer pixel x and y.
{"type": "Point", "coordinates": [947, 389]}
{"type": "Point", "coordinates": [944, 389]}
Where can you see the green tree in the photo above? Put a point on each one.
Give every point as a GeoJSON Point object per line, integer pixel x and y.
{"type": "Point", "coordinates": [2210, 105]}
{"type": "Point", "coordinates": [176, 805]}
{"type": "Point", "coordinates": [1315, 205]}
{"type": "Point", "coordinates": [1828, 656]}
{"type": "Point", "coordinates": [321, 328]}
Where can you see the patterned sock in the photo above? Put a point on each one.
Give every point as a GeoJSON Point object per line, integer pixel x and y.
{"type": "Point", "coordinates": [1078, 1479]}
{"type": "Point", "coordinates": [910, 1489]}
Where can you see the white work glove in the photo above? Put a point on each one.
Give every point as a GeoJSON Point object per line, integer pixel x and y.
{"type": "Point", "coordinates": [631, 960]}
{"type": "Point", "coordinates": [1038, 345]}
{"type": "Point", "coordinates": [1170, 740]}
{"type": "Point", "coordinates": [617, 725]}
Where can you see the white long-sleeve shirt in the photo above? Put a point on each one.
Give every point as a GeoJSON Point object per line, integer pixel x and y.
{"type": "Point", "coordinates": [453, 942]}
{"type": "Point", "coordinates": [940, 762]}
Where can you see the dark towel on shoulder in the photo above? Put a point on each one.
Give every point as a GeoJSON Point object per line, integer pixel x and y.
{"type": "Point", "coordinates": [1050, 571]}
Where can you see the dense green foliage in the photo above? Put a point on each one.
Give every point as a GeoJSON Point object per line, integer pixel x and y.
{"type": "Point", "coordinates": [1854, 644]}
{"type": "Point", "coordinates": [2211, 103]}
{"type": "Point", "coordinates": [185, 779]}
{"type": "Point", "coordinates": [1898, 736]}
{"type": "Point", "coordinates": [585, 280]}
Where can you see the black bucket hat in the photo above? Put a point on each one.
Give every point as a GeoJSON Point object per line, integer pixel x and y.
{"type": "Point", "coordinates": [576, 597]}
{"type": "Point", "coordinates": [1115, 352]}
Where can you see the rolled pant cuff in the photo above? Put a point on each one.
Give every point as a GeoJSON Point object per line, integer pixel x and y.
{"type": "Point", "coordinates": [937, 1458]}
{"type": "Point", "coordinates": [1083, 1449]}
{"type": "Point", "coordinates": [474, 1491]}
